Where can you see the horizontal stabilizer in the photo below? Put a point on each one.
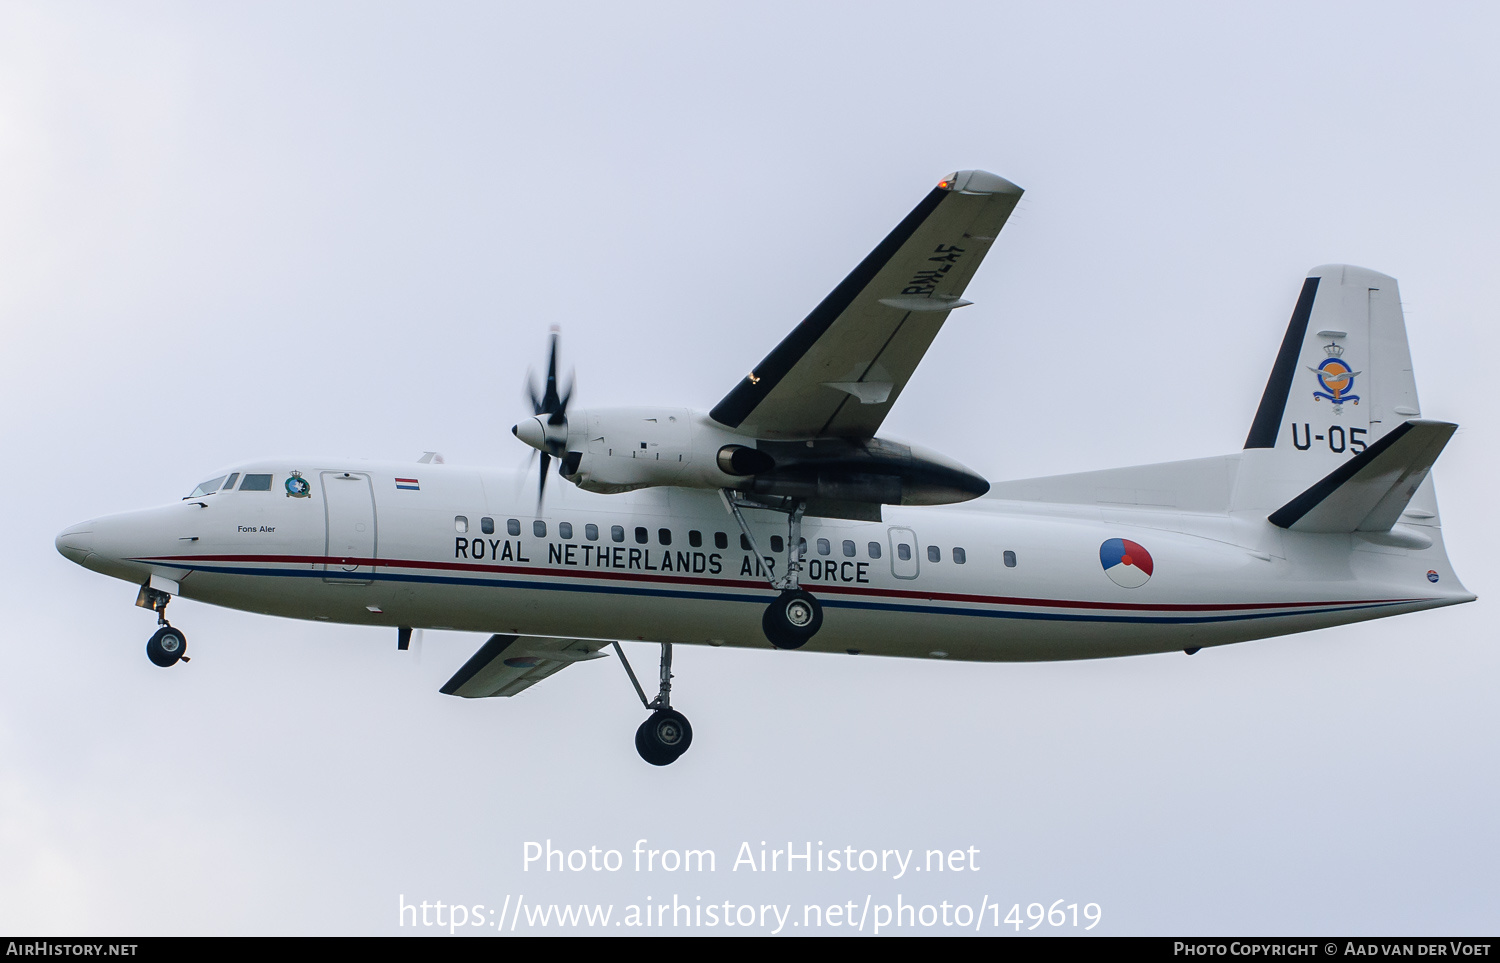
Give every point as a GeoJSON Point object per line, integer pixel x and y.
{"type": "Point", "coordinates": [1369, 492]}
{"type": "Point", "coordinates": [506, 664]}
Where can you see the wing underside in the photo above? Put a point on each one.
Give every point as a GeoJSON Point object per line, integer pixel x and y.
{"type": "Point", "coordinates": [506, 664]}
{"type": "Point", "coordinates": [839, 371]}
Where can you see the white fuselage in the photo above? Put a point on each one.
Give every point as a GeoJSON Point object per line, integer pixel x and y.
{"type": "Point", "coordinates": [363, 548]}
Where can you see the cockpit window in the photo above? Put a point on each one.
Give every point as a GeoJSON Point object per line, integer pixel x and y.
{"type": "Point", "coordinates": [232, 479]}
{"type": "Point", "coordinates": [208, 487]}
{"type": "Point", "coordinates": [256, 483]}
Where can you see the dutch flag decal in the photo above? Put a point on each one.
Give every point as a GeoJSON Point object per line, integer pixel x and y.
{"type": "Point", "coordinates": [408, 485]}
{"type": "Point", "coordinates": [1127, 563]}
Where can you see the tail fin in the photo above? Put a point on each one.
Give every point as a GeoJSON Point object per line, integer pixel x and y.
{"type": "Point", "coordinates": [1342, 381]}
{"type": "Point", "coordinates": [1369, 492]}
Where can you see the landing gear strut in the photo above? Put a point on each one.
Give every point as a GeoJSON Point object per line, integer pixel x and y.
{"type": "Point", "coordinates": [169, 645]}
{"type": "Point", "coordinates": [665, 734]}
{"type": "Point", "coordinates": [796, 615]}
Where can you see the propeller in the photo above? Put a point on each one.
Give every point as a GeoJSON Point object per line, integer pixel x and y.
{"type": "Point", "coordinates": [548, 431]}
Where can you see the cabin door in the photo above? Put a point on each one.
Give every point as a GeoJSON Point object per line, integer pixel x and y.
{"type": "Point", "coordinates": [349, 503]}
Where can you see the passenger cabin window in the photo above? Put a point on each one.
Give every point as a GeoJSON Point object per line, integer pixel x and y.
{"type": "Point", "coordinates": [617, 533]}
{"type": "Point", "coordinates": [744, 542]}
{"type": "Point", "coordinates": [777, 544]}
{"type": "Point", "coordinates": [539, 528]}
{"type": "Point", "coordinates": [934, 554]}
{"type": "Point", "coordinates": [903, 552]}
{"type": "Point", "coordinates": [801, 547]}
{"type": "Point", "coordinates": [721, 540]}
{"type": "Point", "coordinates": [664, 535]}
{"type": "Point", "coordinates": [513, 526]}
{"type": "Point", "coordinates": [460, 524]}
{"type": "Point", "coordinates": [564, 529]}
{"type": "Point", "coordinates": [591, 532]}
{"type": "Point", "coordinates": [641, 535]}
{"type": "Point", "coordinates": [487, 525]}
{"type": "Point", "coordinates": [848, 548]}
{"type": "Point", "coordinates": [874, 548]}
{"type": "Point", "coordinates": [959, 556]}
{"type": "Point", "coordinates": [1010, 559]}
{"type": "Point", "coordinates": [824, 548]}
{"type": "Point", "coordinates": [208, 487]}
{"type": "Point", "coordinates": [695, 539]}
{"type": "Point", "coordinates": [256, 483]}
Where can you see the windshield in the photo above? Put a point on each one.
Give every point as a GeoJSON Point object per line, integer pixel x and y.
{"type": "Point", "coordinates": [208, 487]}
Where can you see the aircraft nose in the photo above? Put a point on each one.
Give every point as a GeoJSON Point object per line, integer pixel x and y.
{"type": "Point", "coordinates": [76, 542]}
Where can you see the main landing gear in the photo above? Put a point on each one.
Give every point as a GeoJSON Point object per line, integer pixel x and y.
{"type": "Point", "coordinates": [169, 645]}
{"type": "Point", "coordinates": [796, 615]}
{"type": "Point", "coordinates": [792, 619]}
{"type": "Point", "coordinates": [665, 734]}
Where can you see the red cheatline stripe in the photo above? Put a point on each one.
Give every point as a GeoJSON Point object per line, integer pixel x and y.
{"type": "Point", "coordinates": [835, 589]}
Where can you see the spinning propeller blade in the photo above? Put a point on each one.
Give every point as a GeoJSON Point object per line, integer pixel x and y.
{"type": "Point", "coordinates": [551, 410]}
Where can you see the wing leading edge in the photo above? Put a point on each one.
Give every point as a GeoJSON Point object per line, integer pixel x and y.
{"type": "Point", "coordinates": [839, 371]}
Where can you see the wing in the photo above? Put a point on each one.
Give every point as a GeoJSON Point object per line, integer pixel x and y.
{"type": "Point", "coordinates": [506, 664]}
{"type": "Point", "coordinates": [841, 369]}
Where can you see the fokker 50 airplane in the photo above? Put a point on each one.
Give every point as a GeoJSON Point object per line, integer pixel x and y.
{"type": "Point", "coordinates": [781, 518]}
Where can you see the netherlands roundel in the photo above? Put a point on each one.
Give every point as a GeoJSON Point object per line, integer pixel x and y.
{"type": "Point", "coordinates": [1127, 563]}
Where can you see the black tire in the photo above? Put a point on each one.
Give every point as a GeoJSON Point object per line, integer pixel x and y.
{"type": "Point", "coordinates": [665, 735]}
{"type": "Point", "coordinates": [792, 619]}
{"type": "Point", "coordinates": [166, 646]}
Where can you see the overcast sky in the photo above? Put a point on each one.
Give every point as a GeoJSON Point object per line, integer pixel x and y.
{"type": "Point", "coordinates": [233, 232]}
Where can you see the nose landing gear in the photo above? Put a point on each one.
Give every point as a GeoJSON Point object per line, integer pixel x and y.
{"type": "Point", "coordinates": [169, 645]}
{"type": "Point", "coordinates": [166, 647]}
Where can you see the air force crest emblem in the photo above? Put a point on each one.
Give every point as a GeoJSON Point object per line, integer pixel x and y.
{"type": "Point", "coordinates": [297, 486]}
{"type": "Point", "coordinates": [1335, 377]}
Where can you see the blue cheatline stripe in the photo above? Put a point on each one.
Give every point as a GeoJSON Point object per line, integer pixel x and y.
{"type": "Point", "coordinates": [832, 603]}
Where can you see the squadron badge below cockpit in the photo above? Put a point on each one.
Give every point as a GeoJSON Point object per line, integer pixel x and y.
{"type": "Point", "coordinates": [297, 486]}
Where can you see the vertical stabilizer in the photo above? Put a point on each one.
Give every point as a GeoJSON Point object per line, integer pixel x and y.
{"type": "Point", "coordinates": [1342, 381]}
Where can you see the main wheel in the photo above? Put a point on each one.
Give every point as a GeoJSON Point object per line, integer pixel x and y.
{"type": "Point", "coordinates": [166, 646]}
{"type": "Point", "coordinates": [663, 737]}
{"type": "Point", "coordinates": [792, 619]}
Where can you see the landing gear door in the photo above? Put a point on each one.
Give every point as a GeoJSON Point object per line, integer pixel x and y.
{"type": "Point", "coordinates": [903, 553]}
{"type": "Point", "coordinates": [349, 502]}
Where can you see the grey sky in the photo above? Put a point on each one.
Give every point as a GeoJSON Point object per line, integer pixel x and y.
{"type": "Point", "coordinates": [344, 228]}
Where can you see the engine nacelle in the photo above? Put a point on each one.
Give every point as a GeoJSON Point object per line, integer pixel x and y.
{"type": "Point", "coordinates": [621, 449]}
{"type": "Point", "coordinates": [873, 471]}
{"type": "Point", "coordinates": [615, 450]}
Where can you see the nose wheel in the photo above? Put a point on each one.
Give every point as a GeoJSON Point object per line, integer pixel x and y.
{"type": "Point", "coordinates": [167, 647]}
